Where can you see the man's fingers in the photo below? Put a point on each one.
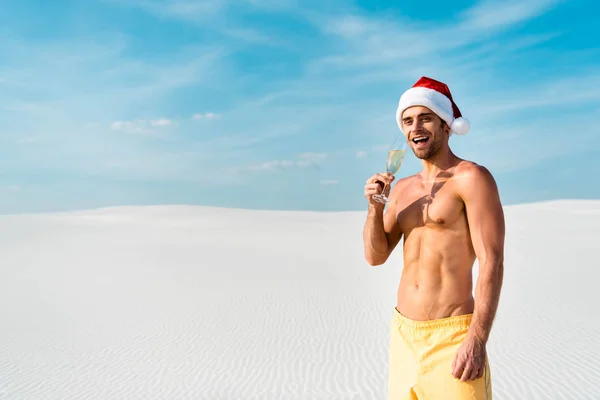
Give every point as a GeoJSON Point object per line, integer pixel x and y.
{"type": "Point", "coordinates": [467, 372]}
{"type": "Point", "coordinates": [373, 186]}
{"type": "Point", "coordinates": [457, 368]}
{"type": "Point", "coordinates": [372, 191]}
{"type": "Point", "coordinates": [385, 178]}
{"type": "Point", "coordinates": [480, 372]}
{"type": "Point", "coordinates": [474, 374]}
{"type": "Point", "coordinates": [457, 373]}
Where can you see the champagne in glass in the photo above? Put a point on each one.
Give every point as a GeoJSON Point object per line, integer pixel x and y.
{"type": "Point", "coordinates": [394, 161]}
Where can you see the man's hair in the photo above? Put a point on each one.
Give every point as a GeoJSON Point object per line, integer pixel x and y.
{"type": "Point", "coordinates": [443, 123]}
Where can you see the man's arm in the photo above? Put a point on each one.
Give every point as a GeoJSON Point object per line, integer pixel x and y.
{"type": "Point", "coordinates": [381, 232]}
{"type": "Point", "coordinates": [486, 223]}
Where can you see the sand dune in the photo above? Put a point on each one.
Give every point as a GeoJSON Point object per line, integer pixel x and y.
{"type": "Point", "coordinates": [182, 302]}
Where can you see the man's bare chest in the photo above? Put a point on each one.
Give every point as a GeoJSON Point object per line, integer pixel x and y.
{"type": "Point", "coordinates": [437, 206]}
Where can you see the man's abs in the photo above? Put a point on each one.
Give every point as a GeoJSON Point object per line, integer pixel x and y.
{"type": "Point", "coordinates": [436, 279]}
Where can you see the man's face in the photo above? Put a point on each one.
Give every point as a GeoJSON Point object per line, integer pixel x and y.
{"type": "Point", "coordinates": [425, 131]}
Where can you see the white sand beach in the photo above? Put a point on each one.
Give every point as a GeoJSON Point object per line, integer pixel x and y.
{"type": "Point", "coordinates": [185, 302]}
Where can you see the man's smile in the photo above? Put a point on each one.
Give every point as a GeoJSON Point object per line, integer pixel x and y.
{"type": "Point", "coordinates": [420, 141]}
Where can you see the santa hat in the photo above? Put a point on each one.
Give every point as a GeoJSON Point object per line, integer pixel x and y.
{"type": "Point", "coordinates": [436, 96]}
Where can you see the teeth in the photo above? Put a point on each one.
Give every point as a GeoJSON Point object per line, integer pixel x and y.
{"type": "Point", "coordinates": [419, 139]}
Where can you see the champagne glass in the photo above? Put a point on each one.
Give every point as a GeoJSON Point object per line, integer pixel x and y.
{"type": "Point", "coordinates": [395, 159]}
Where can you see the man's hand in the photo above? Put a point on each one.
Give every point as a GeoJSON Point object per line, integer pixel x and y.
{"type": "Point", "coordinates": [469, 362]}
{"type": "Point", "coordinates": [376, 184]}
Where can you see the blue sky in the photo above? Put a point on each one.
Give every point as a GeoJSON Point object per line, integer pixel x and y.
{"type": "Point", "coordinates": [277, 104]}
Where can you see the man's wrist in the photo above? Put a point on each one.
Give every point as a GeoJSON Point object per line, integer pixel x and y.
{"type": "Point", "coordinates": [478, 335]}
{"type": "Point", "coordinates": [376, 208]}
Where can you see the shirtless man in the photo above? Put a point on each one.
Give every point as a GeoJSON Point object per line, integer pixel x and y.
{"type": "Point", "coordinates": [449, 214]}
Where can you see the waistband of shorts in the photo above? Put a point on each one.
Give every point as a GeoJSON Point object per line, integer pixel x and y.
{"type": "Point", "coordinates": [455, 322]}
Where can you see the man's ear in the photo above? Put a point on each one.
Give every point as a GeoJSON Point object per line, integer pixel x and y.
{"type": "Point", "coordinates": [446, 127]}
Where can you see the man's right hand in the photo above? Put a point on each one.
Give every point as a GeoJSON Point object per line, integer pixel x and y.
{"type": "Point", "coordinates": [375, 185]}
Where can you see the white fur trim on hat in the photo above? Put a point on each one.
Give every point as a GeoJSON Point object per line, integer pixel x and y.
{"type": "Point", "coordinates": [436, 102]}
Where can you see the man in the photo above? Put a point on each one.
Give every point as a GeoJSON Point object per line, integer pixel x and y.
{"type": "Point", "coordinates": [448, 214]}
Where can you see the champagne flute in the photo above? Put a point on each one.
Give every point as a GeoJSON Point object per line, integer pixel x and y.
{"type": "Point", "coordinates": [395, 159]}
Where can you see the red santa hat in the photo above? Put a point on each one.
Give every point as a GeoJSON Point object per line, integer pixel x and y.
{"type": "Point", "coordinates": [436, 96]}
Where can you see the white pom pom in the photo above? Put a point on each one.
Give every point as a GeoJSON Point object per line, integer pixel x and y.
{"type": "Point", "coordinates": [460, 126]}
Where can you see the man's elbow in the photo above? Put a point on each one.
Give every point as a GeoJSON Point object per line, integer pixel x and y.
{"type": "Point", "coordinates": [493, 268]}
{"type": "Point", "coordinates": [374, 260]}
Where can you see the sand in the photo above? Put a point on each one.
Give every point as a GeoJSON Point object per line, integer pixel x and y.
{"type": "Point", "coordinates": [177, 302]}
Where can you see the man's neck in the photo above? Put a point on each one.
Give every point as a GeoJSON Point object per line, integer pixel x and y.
{"type": "Point", "coordinates": [443, 160]}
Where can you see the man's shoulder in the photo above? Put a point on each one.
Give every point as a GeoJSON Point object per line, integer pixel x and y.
{"type": "Point", "coordinates": [471, 172]}
{"type": "Point", "coordinates": [402, 184]}
{"type": "Point", "coordinates": [475, 180]}
{"type": "Point", "coordinates": [407, 180]}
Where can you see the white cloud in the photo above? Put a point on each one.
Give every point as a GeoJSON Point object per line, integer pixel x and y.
{"type": "Point", "coordinates": [130, 126]}
{"type": "Point", "coordinates": [27, 139]}
{"type": "Point", "coordinates": [304, 160]}
{"type": "Point", "coordinates": [349, 26]}
{"type": "Point", "coordinates": [181, 9]}
{"type": "Point", "coordinates": [196, 8]}
{"type": "Point", "coordinates": [491, 14]}
{"type": "Point", "coordinates": [272, 5]}
{"type": "Point", "coordinates": [161, 122]}
{"type": "Point", "coordinates": [202, 10]}
{"type": "Point", "coordinates": [208, 115]}
{"type": "Point", "coordinates": [569, 90]}
{"type": "Point", "coordinates": [140, 126]}
{"type": "Point", "coordinates": [311, 159]}
{"type": "Point", "coordinates": [361, 154]}
{"type": "Point", "coordinates": [91, 80]}
{"type": "Point", "coordinates": [373, 41]}
{"type": "Point", "coordinates": [271, 165]}
{"type": "Point", "coordinates": [216, 15]}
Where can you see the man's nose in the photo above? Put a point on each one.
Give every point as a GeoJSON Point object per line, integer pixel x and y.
{"type": "Point", "coordinates": [417, 127]}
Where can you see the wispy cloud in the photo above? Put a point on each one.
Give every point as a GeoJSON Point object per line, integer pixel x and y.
{"type": "Point", "coordinates": [375, 41]}
{"type": "Point", "coordinates": [140, 126]}
{"type": "Point", "coordinates": [216, 15]}
{"type": "Point", "coordinates": [130, 126]}
{"type": "Point", "coordinates": [564, 91]}
{"type": "Point", "coordinates": [490, 14]}
{"type": "Point", "coordinates": [207, 115]}
{"type": "Point", "coordinates": [119, 80]}
{"type": "Point", "coordinates": [98, 89]}
{"type": "Point", "coordinates": [161, 122]}
{"type": "Point", "coordinates": [310, 159]}
{"type": "Point", "coordinates": [183, 9]}
{"type": "Point", "coordinates": [304, 160]}
{"type": "Point", "coordinates": [27, 140]}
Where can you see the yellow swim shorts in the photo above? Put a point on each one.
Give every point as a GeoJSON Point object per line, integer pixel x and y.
{"type": "Point", "coordinates": [421, 357]}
